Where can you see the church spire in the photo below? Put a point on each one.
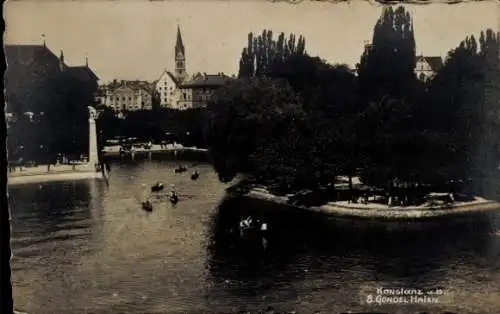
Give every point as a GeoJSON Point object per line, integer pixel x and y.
{"type": "Point", "coordinates": [179, 46]}
{"type": "Point", "coordinates": [180, 57]}
{"type": "Point", "coordinates": [61, 61]}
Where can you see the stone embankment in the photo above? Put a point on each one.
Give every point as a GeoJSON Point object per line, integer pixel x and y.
{"type": "Point", "coordinates": [54, 173]}
{"type": "Point", "coordinates": [380, 211]}
{"type": "Point", "coordinates": [115, 150]}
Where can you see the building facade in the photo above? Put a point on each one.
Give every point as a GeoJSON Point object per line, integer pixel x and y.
{"type": "Point", "coordinates": [168, 86]}
{"type": "Point", "coordinates": [128, 98]}
{"type": "Point", "coordinates": [427, 67]}
{"type": "Point", "coordinates": [167, 90]}
{"type": "Point", "coordinates": [200, 90]}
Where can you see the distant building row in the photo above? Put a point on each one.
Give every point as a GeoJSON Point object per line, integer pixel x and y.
{"type": "Point", "coordinates": [174, 90]}
{"type": "Point", "coordinates": [126, 95]}
{"type": "Point", "coordinates": [178, 90]}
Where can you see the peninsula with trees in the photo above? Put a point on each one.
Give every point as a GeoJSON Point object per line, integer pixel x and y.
{"type": "Point", "coordinates": [294, 129]}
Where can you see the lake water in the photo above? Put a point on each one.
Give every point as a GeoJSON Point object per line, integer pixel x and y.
{"type": "Point", "coordinates": [86, 247]}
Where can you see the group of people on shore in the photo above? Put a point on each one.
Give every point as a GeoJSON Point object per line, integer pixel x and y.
{"type": "Point", "coordinates": [391, 201]}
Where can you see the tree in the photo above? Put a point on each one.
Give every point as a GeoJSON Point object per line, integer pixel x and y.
{"type": "Point", "coordinates": [263, 52]}
{"type": "Point", "coordinates": [463, 105]}
{"type": "Point", "coordinates": [246, 113]}
{"type": "Point", "coordinates": [387, 65]}
{"type": "Point", "coordinates": [155, 100]}
{"type": "Point", "coordinates": [330, 89]}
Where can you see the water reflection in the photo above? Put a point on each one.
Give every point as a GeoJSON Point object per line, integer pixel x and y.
{"type": "Point", "coordinates": [310, 257]}
{"type": "Point", "coordinates": [86, 246]}
{"type": "Point", "coordinates": [59, 210]}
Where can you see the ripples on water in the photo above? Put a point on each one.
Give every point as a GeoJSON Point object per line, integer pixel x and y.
{"type": "Point", "coordinates": [87, 247]}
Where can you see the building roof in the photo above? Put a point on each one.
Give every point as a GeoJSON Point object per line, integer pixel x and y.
{"type": "Point", "coordinates": [29, 54]}
{"type": "Point", "coordinates": [134, 85]}
{"type": "Point", "coordinates": [129, 86]}
{"type": "Point", "coordinates": [83, 73]}
{"type": "Point", "coordinates": [436, 63]}
{"type": "Point", "coordinates": [41, 55]}
{"type": "Point", "coordinates": [173, 77]}
{"type": "Point", "coordinates": [207, 80]}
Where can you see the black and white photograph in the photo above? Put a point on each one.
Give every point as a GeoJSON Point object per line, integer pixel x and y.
{"type": "Point", "coordinates": [228, 156]}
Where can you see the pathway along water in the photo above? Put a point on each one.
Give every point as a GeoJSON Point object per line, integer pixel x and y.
{"type": "Point", "coordinates": [84, 246]}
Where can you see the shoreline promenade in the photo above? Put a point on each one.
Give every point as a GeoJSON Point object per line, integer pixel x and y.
{"type": "Point", "coordinates": [44, 173]}
{"type": "Point", "coordinates": [381, 212]}
{"type": "Point", "coordinates": [55, 173]}
{"type": "Point", "coordinates": [155, 149]}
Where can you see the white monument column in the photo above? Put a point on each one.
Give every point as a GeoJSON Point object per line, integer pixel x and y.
{"type": "Point", "coordinates": [93, 157]}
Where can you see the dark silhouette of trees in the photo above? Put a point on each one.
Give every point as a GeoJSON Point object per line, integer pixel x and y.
{"type": "Point", "coordinates": [396, 132]}
{"type": "Point", "coordinates": [263, 52]}
{"type": "Point", "coordinates": [59, 123]}
{"type": "Point", "coordinates": [155, 100]}
{"type": "Point", "coordinates": [463, 106]}
{"type": "Point", "coordinates": [248, 115]}
{"type": "Point", "coordinates": [387, 65]}
{"type": "Point", "coordinates": [330, 89]}
{"type": "Point", "coordinates": [161, 124]}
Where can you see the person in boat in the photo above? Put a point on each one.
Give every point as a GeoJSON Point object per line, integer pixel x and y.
{"type": "Point", "coordinates": [157, 187]}
{"type": "Point", "coordinates": [195, 175]}
{"type": "Point", "coordinates": [173, 197]}
{"type": "Point", "coordinates": [146, 205]}
{"type": "Point", "coordinates": [180, 169]}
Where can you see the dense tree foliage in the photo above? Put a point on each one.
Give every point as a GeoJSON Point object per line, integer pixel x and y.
{"type": "Point", "coordinates": [323, 87]}
{"type": "Point", "coordinates": [387, 65]}
{"type": "Point", "coordinates": [247, 114]}
{"type": "Point", "coordinates": [156, 125]}
{"type": "Point", "coordinates": [263, 52]}
{"type": "Point", "coordinates": [58, 122]}
{"type": "Point", "coordinates": [394, 131]}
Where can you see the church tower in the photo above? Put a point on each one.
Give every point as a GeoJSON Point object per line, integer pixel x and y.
{"type": "Point", "coordinates": [180, 57]}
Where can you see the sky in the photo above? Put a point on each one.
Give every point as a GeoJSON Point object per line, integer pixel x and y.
{"type": "Point", "coordinates": [134, 39]}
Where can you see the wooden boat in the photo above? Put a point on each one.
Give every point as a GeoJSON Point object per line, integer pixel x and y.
{"type": "Point", "coordinates": [157, 187]}
{"type": "Point", "coordinates": [174, 199]}
{"type": "Point", "coordinates": [195, 176]}
{"type": "Point", "coordinates": [180, 169]}
{"type": "Point", "coordinates": [147, 206]}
